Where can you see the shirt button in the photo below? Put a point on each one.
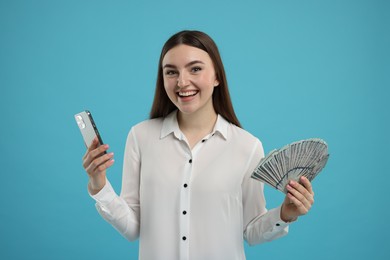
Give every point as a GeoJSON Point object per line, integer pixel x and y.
{"type": "Point", "coordinates": [190, 161]}
{"type": "Point", "coordinates": [277, 224]}
{"type": "Point", "coordinates": [204, 140]}
{"type": "Point", "coordinates": [184, 212]}
{"type": "Point", "coordinates": [184, 238]}
{"type": "Point", "coordinates": [185, 185]}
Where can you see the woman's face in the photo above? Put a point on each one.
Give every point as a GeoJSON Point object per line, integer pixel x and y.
{"type": "Point", "coordinates": [189, 78]}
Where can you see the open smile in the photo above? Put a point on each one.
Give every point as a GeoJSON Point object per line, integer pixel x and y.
{"type": "Point", "coordinates": [189, 93]}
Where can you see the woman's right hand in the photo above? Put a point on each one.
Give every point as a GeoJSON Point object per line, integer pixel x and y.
{"type": "Point", "coordinates": [95, 163]}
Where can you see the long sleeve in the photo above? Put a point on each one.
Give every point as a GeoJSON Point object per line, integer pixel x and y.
{"type": "Point", "coordinates": [260, 225]}
{"type": "Point", "coordinates": [123, 212]}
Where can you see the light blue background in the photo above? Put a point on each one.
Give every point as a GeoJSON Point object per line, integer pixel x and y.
{"type": "Point", "coordinates": [296, 69]}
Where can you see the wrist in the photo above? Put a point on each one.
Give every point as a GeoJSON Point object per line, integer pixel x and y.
{"type": "Point", "coordinates": [94, 188]}
{"type": "Point", "coordinates": [285, 217]}
{"type": "Point", "coordinates": [288, 220]}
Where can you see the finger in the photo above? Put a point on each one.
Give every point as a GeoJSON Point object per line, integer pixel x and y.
{"type": "Point", "coordinates": [102, 168]}
{"type": "Point", "coordinates": [287, 199]}
{"type": "Point", "coordinates": [307, 184]}
{"type": "Point", "coordinates": [302, 202]}
{"type": "Point", "coordinates": [94, 144]}
{"type": "Point", "coordinates": [303, 190]}
{"type": "Point", "coordinates": [91, 147]}
{"type": "Point", "coordinates": [301, 194]}
{"type": "Point", "coordinates": [99, 150]}
{"type": "Point", "coordinates": [106, 165]}
{"type": "Point", "coordinates": [301, 208]}
{"type": "Point", "coordinates": [100, 164]}
{"type": "Point", "coordinates": [92, 155]}
{"type": "Point", "coordinates": [293, 191]}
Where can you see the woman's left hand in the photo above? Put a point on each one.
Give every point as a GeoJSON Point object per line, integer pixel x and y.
{"type": "Point", "coordinates": [298, 201]}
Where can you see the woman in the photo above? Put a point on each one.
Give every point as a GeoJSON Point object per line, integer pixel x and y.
{"type": "Point", "coordinates": [186, 189]}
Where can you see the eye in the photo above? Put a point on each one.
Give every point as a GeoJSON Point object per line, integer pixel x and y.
{"type": "Point", "coordinates": [170, 72]}
{"type": "Point", "coordinates": [196, 69]}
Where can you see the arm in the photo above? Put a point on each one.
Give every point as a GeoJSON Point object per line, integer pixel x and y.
{"type": "Point", "coordinates": [260, 225]}
{"type": "Point", "coordinates": [122, 212]}
{"type": "Point", "coordinates": [269, 225]}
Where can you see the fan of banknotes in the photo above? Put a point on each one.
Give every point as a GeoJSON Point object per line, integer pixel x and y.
{"type": "Point", "coordinates": [303, 158]}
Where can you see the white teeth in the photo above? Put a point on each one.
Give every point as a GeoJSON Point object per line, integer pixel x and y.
{"type": "Point", "coordinates": [187, 93]}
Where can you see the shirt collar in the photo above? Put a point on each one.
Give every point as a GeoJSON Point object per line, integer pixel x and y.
{"type": "Point", "coordinates": [170, 125]}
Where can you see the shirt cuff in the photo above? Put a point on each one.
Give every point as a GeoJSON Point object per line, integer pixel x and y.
{"type": "Point", "coordinates": [105, 195]}
{"type": "Point", "coordinates": [278, 222]}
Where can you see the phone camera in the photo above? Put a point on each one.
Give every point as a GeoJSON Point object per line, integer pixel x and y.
{"type": "Point", "coordinates": [80, 121]}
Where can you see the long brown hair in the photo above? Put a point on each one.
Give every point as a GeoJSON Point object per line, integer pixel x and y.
{"type": "Point", "coordinates": [162, 105]}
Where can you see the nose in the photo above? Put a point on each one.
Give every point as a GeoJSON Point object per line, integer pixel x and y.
{"type": "Point", "coordinates": [182, 80]}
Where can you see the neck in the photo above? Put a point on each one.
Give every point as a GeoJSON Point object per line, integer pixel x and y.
{"type": "Point", "coordinates": [200, 121]}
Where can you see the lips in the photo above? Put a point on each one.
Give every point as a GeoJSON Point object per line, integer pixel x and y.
{"type": "Point", "coordinates": [188, 93]}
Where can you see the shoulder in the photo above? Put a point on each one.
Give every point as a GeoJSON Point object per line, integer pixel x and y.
{"type": "Point", "coordinates": [143, 133]}
{"type": "Point", "coordinates": [239, 134]}
{"type": "Point", "coordinates": [149, 125]}
{"type": "Point", "coordinates": [143, 129]}
{"type": "Point", "coordinates": [244, 142]}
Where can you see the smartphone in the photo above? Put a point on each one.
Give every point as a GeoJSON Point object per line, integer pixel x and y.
{"type": "Point", "coordinates": [87, 127]}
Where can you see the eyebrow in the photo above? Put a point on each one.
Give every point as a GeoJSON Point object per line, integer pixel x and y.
{"type": "Point", "coordinates": [187, 65]}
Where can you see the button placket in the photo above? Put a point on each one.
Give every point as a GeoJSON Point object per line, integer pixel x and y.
{"type": "Point", "coordinates": [185, 192]}
{"type": "Point", "coordinates": [184, 217]}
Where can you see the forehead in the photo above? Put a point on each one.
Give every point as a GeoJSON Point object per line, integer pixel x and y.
{"type": "Point", "coordinates": [183, 54]}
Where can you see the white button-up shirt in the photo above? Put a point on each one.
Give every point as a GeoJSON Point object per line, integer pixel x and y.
{"type": "Point", "coordinates": [194, 204]}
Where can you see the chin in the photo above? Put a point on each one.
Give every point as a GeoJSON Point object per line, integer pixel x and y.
{"type": "Point", "coordinates": [187, 111]}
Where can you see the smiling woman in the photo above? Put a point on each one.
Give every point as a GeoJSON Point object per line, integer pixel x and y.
{"type": "Point", "coordinates": [189, 81]}
{"type": "Point", "coordinates": [222, 104]}
{"type": "Point", "coordinates": [188, 169]}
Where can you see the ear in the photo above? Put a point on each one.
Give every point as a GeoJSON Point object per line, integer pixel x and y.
{"type": "Point", "coordinates": [216, 83]}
